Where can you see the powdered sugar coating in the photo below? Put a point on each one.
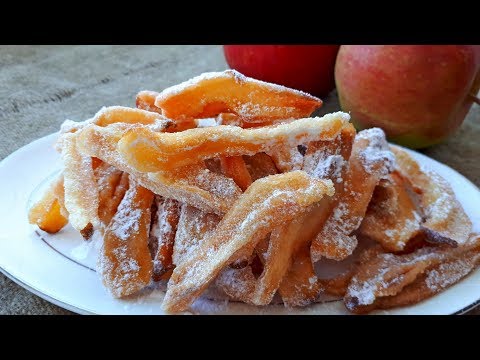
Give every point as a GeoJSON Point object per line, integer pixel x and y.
{"type": "Point", "coordinates": [377, 152]}
{"type": "Point", "coordinates": [447, 274]}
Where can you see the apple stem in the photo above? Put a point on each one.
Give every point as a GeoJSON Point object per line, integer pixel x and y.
{"type": "Point", "coordinates": [475, 99]}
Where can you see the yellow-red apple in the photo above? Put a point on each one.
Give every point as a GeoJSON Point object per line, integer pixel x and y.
{"type": "Point", "coordinates": [419, 94]}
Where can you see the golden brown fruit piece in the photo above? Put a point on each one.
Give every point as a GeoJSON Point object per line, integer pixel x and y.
{"type": "Point", "coordinates": [81, 192]}
{"type": "Point", "coordinates": [49, 212]}
{"type": "Point", "coordinates": [193, 184]}
{"type": "Point", "coordinates": [392, 218]}
{"type": "Point", "coordinates": [150, 151]}
{"type": "Point", "coordinates": [371, 160]}
{"type": "Point", "coordinates": [386, 275]}
{"type": "Point", "coordinates": [234, 167]}
{"type": "Point", "coordinates": [289, 239]}
{"type": "Point", "coordinates": [117, 115]}
{"type": "Point", "coordinates": [445, 219]}
{"type": "Point", "coordinates": [193, 226]}
{"type": "Point", "coordinates": [276, 199]}
{"type": "Point", "coordinates": [162, 234]}
{"type": "Point", "coordinates": [300, 286]}
{"type": "Point", "coordinates": [145, 100]}
{"type": "Point", "coordinates": [112, 185]}
{"type": "Point", "coordinates": [124, 262]}
{"type": "Point", "coordinates": [260, 165]}
{"type": "Point", "coordinates": [211, 94]}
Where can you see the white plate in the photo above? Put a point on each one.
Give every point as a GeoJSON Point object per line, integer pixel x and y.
{"type": "Point", "coordinates": [60, 268]}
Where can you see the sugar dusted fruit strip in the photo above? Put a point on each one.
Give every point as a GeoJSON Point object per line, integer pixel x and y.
{"type": "Point", "coordinates": [81, 192]}
{"type": "Point", "coordinates": [392, 218]}
{"type": "Point", "coordinates": [380, 281]}
{"type": "Point", "coordinates": [145, 100]}
{"type": "Point", "coordinates": [267, 203]}
{"type": "Point", "coordinates": [371, 160]}
{"type": "Point", "coordinates": [194, 184]}
{"type": "Point", "coordinates": [290, 239]}
{"type": "Point", "coordinates": [112, 185]}
{"type": "Point", "coordinates": [117, 115]}
{"type": "Point", "coordinates": [124, 262]}
{"type": "Point", "coordinates": [433, 281]}
{"type": "Point", "coordinates": [49, 212]}
{"type": "Point", "coordinates": [150, 151]}
{"type": "Point", "coordinates": [444, 217]}
{"type": "Point", "coordinates": [234, 167]}
{"type": "Point", "coordinates": [162, 232]}
{"type": "Point", "coordinates": [211, 94]}
{"type": "Point", "coordinates": [194, 225]}
{"type": "Point", "coordinates": [300, 286]}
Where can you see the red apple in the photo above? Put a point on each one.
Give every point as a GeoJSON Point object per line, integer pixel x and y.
{"type": "Point", "coordinates": [419, 94]}
{"type": "Point", "coordinates": [308, 68]}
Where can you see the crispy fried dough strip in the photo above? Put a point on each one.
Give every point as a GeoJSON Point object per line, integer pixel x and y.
{"type": "Point", "coordinates": [49, 212]}
{"type": "Point", "coordinates": [108, 178]}
{"type": "Point", "coordinates": [369, 162]}
{"type": "Point", "coordinates": [193, 226]}
{"type": "Point", "coordinates": [148, 150]}
{"type": "Point", "coordinates": [444, 215]}
{"type": "Point", "coordinates": [234, 167]}
{"type": "Point", "coordinates": [300, 286]}
{"type": "Point", "coordinates": [163, 231]}
{"type": "Point", "coordinates": [387, 274]}
{"type": "Point", "coordinates": [213, 93]}
{"type": "Point", "coordinates": [392, 218]}
{"type": "Point", "coordinates": [125, 263]}
{"type": "Point", "coordinates": [275, 199]}
{"type": "Point", "coordinates": [194, 185]}
{"type": "Point", "coordinates": [81, 192]}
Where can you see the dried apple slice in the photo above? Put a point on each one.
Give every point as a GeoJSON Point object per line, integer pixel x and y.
{"type": "Point", "coordinates": [211, 94]}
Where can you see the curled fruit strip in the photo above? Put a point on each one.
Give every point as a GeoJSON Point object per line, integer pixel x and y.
{"type": "Point", "coordinates": [150, 151]}
{"type": "Point", "coordinates": [392, 218]}
{"type": "Point", "coordinates": [211, 94]}
{"type": "Point", "coordinates": [445, 219]}
{"type": "Point", "coordinates": [285, 258]}
{"type": "Point", "coordinates": [112, 185]}
{"type": "Point", "coordinates": [125, 263]}
{"type": "Point", "coordinates": [274, 200]}
{"type": "Point", "coordinates": [234, 167]}
{"type": "Point", "coordinates": [386, 275]}
{"type": "Point", "coordinates": [119, 114]}
{"type": "Point", "coordinates": [162, 235]}
{"type": "Point", "coordinates": [369, 162]}
{"type": "Point", "coordinates": [146, 101]}
{"type": "Point", "coordinates": [81, 192]}
{"type": "Point", "coordinates": [194, 184]}
{"type": "Point", "coordinates": [193, 226]}
{"type": "Point", "coordinates": [49, 212]}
